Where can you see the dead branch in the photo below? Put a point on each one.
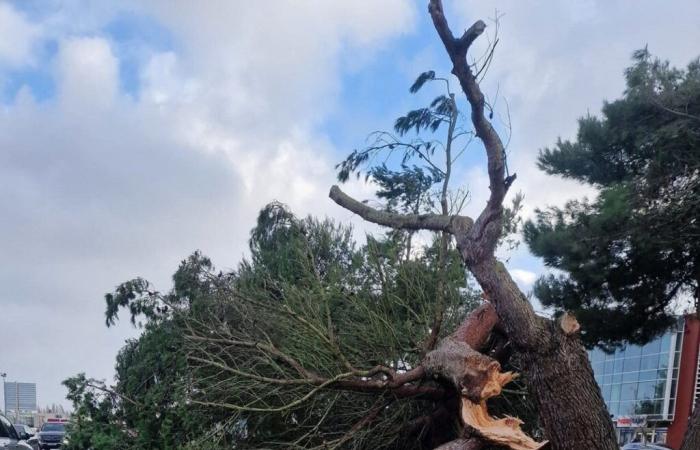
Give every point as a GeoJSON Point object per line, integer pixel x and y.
{"type": "Point", "coordinates": [431, 222]}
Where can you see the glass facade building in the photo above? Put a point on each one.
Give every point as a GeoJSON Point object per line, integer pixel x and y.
{"type": "Point", "coordinates": [20, 401]}
{"type": "Point", "coordinates": [641, 380]}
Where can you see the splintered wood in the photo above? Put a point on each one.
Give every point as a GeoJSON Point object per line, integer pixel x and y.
{"type": "Point", "coordinates": [505, 431]}
{"type": "Point", "coordinates": [479, 378]}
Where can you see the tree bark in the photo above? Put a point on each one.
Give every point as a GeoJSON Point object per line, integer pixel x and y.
{"type": "Point", "coordinates": [691, 440]}
{"type": "Point", "coordinates": [555, 366]}
{"type": "Point", "coordinates": [462, 444]}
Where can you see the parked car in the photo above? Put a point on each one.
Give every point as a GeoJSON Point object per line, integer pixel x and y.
{"type": "Point", "coordinates": [9, 439]}
{"type": "Point", "coordinates": [24, 431]}
{"type": "Point", "coordinates": [51, 435]}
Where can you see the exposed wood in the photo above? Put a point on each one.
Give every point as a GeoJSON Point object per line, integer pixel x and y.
{"type": "Point", "coordinates": [469, 370]}
{"type": "Point", "coordinates": [569, 324]}
{"type": "Point", "coordinates": [475, 329]}
{"type": "Point", "coordinates": [479, 378]}
{"type": "Point", "coordinates": [555, 367]}
{"type": "Point", "coordinates": [504, 431]}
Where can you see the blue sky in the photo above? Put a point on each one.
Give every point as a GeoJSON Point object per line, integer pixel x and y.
{"type": "Point", "coordinates": [134, 132]}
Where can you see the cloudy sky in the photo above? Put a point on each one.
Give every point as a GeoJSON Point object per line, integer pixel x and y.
{"type": "Point", "coordinates": [134, 132]}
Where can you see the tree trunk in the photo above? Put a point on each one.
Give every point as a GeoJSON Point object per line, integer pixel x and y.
{"type": "Point", "coordinates": [555, 366]}
{"type": "Point", "coordinates": [462, 444]}
{"type": "Point", "coordinates": [691, 441]}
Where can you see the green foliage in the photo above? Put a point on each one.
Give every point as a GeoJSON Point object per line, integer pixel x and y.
{"type": "Point", "coordinates": [149, 406]}
{"type": "Point", "coordinates": [308, 292]}
{"type": "Point", "coordinates": [259, 350]}
{"type": "Point", "coordinates": [631, 252]}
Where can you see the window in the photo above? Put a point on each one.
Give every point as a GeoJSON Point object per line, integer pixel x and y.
{"type": "Point", "coordinates": [660, 389]}
{"type": "Point", "coordinates": [631, 364]}
{"type": "Point", "coordinates": [650, 362]}
{"type": "Point", "coordinates": [633, 350]}
{"type": "Point", "coordinates": [647, 390]}
{"type": "Point", "coordinates": [53, 426]}
{"type": "Point", "coordinates": [597, 355]}
{"type": "Point", "coordinates": [629, 377]}
{"type": "Point", "coordinates": [629, 391]}
{"type": "Point", "coordinates": [598, 367]}
{"type": "Point", "coordinates": [666, 342]}
{"type": "Point", "coordinates": [647, 375]}
{"type": "Point", "coordinates": [652, 347]}
{"type": "Point", "coordinates": [627, 408]}
{"type": "Point", "coordinates": [614, 408]}
{"type": "Point", "coordinates": [615, 393]}
{"type": "Point", "coordinates": [608, 367]}
{"type": "Point", "coordinates": [606, 393]}
{"type": "Point", "coordinates": [617, 368]}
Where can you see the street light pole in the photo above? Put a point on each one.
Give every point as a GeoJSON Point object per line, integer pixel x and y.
{"type": "Point", "coordinates": [16, 402]}
{"type": "Point", "coordinates": [4, 400]}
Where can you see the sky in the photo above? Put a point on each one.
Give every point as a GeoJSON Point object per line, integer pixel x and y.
{"type": "Point", "coordinates": [133, 133]}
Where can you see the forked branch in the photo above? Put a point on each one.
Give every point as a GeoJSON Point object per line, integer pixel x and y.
{"type": "Point", "coordinates": [485, 235]}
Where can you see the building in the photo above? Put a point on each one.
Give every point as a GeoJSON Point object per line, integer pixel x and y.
{"type": "Point", "coordinates": [650, 390]}
{"type": "Point", "coordinates": [20, 401]}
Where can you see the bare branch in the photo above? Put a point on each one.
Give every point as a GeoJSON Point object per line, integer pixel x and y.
{"type": "Point", "coordinates": [432, 222]}
{"type": "Point", "coordinates": [485, 236]}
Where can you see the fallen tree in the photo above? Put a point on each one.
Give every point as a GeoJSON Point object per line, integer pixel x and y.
{"type": "Point", "coordinates": [555, 364]}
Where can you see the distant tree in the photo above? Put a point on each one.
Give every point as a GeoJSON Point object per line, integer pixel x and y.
{"type": "Point", "coordinates": [634, 249]}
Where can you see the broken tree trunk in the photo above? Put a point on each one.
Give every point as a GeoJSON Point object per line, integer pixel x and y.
{"type": "Point", "coordinates": [555, 366]}
{"type": "Point", "coordinates": [478, 378]}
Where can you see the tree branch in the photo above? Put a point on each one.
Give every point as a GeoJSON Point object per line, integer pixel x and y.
{"type": "Point", "coordinates": [484, 236]}
{"type": "Point", "coordinates": [432, 222]}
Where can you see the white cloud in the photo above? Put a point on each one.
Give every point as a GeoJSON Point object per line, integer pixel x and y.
{"type": "Point", "coordinates": [556, 61]}
{"type": "Point", "coordinates": [17, 37]}
{"type": "Point", "coordinates": [99, 186]}
{"type": "Point", "coordinates": [524, 277]}
{"type": "Point", "coordinates": [88, 74]}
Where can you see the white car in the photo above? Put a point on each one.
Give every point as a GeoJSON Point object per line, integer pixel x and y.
{"type": "Point", "coordinates": [9, 439]}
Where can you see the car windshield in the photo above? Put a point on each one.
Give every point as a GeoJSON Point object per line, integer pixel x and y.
{"type": "Point", "coordinates": [53, 427]}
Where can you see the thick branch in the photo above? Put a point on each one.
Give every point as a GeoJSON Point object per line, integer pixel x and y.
{"type": "Point", "coordinates": [478, 245]}
{"type": "Point", "coordinates": [476, 328]}
{"type": "Point", "coordinates": [432, 222]}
